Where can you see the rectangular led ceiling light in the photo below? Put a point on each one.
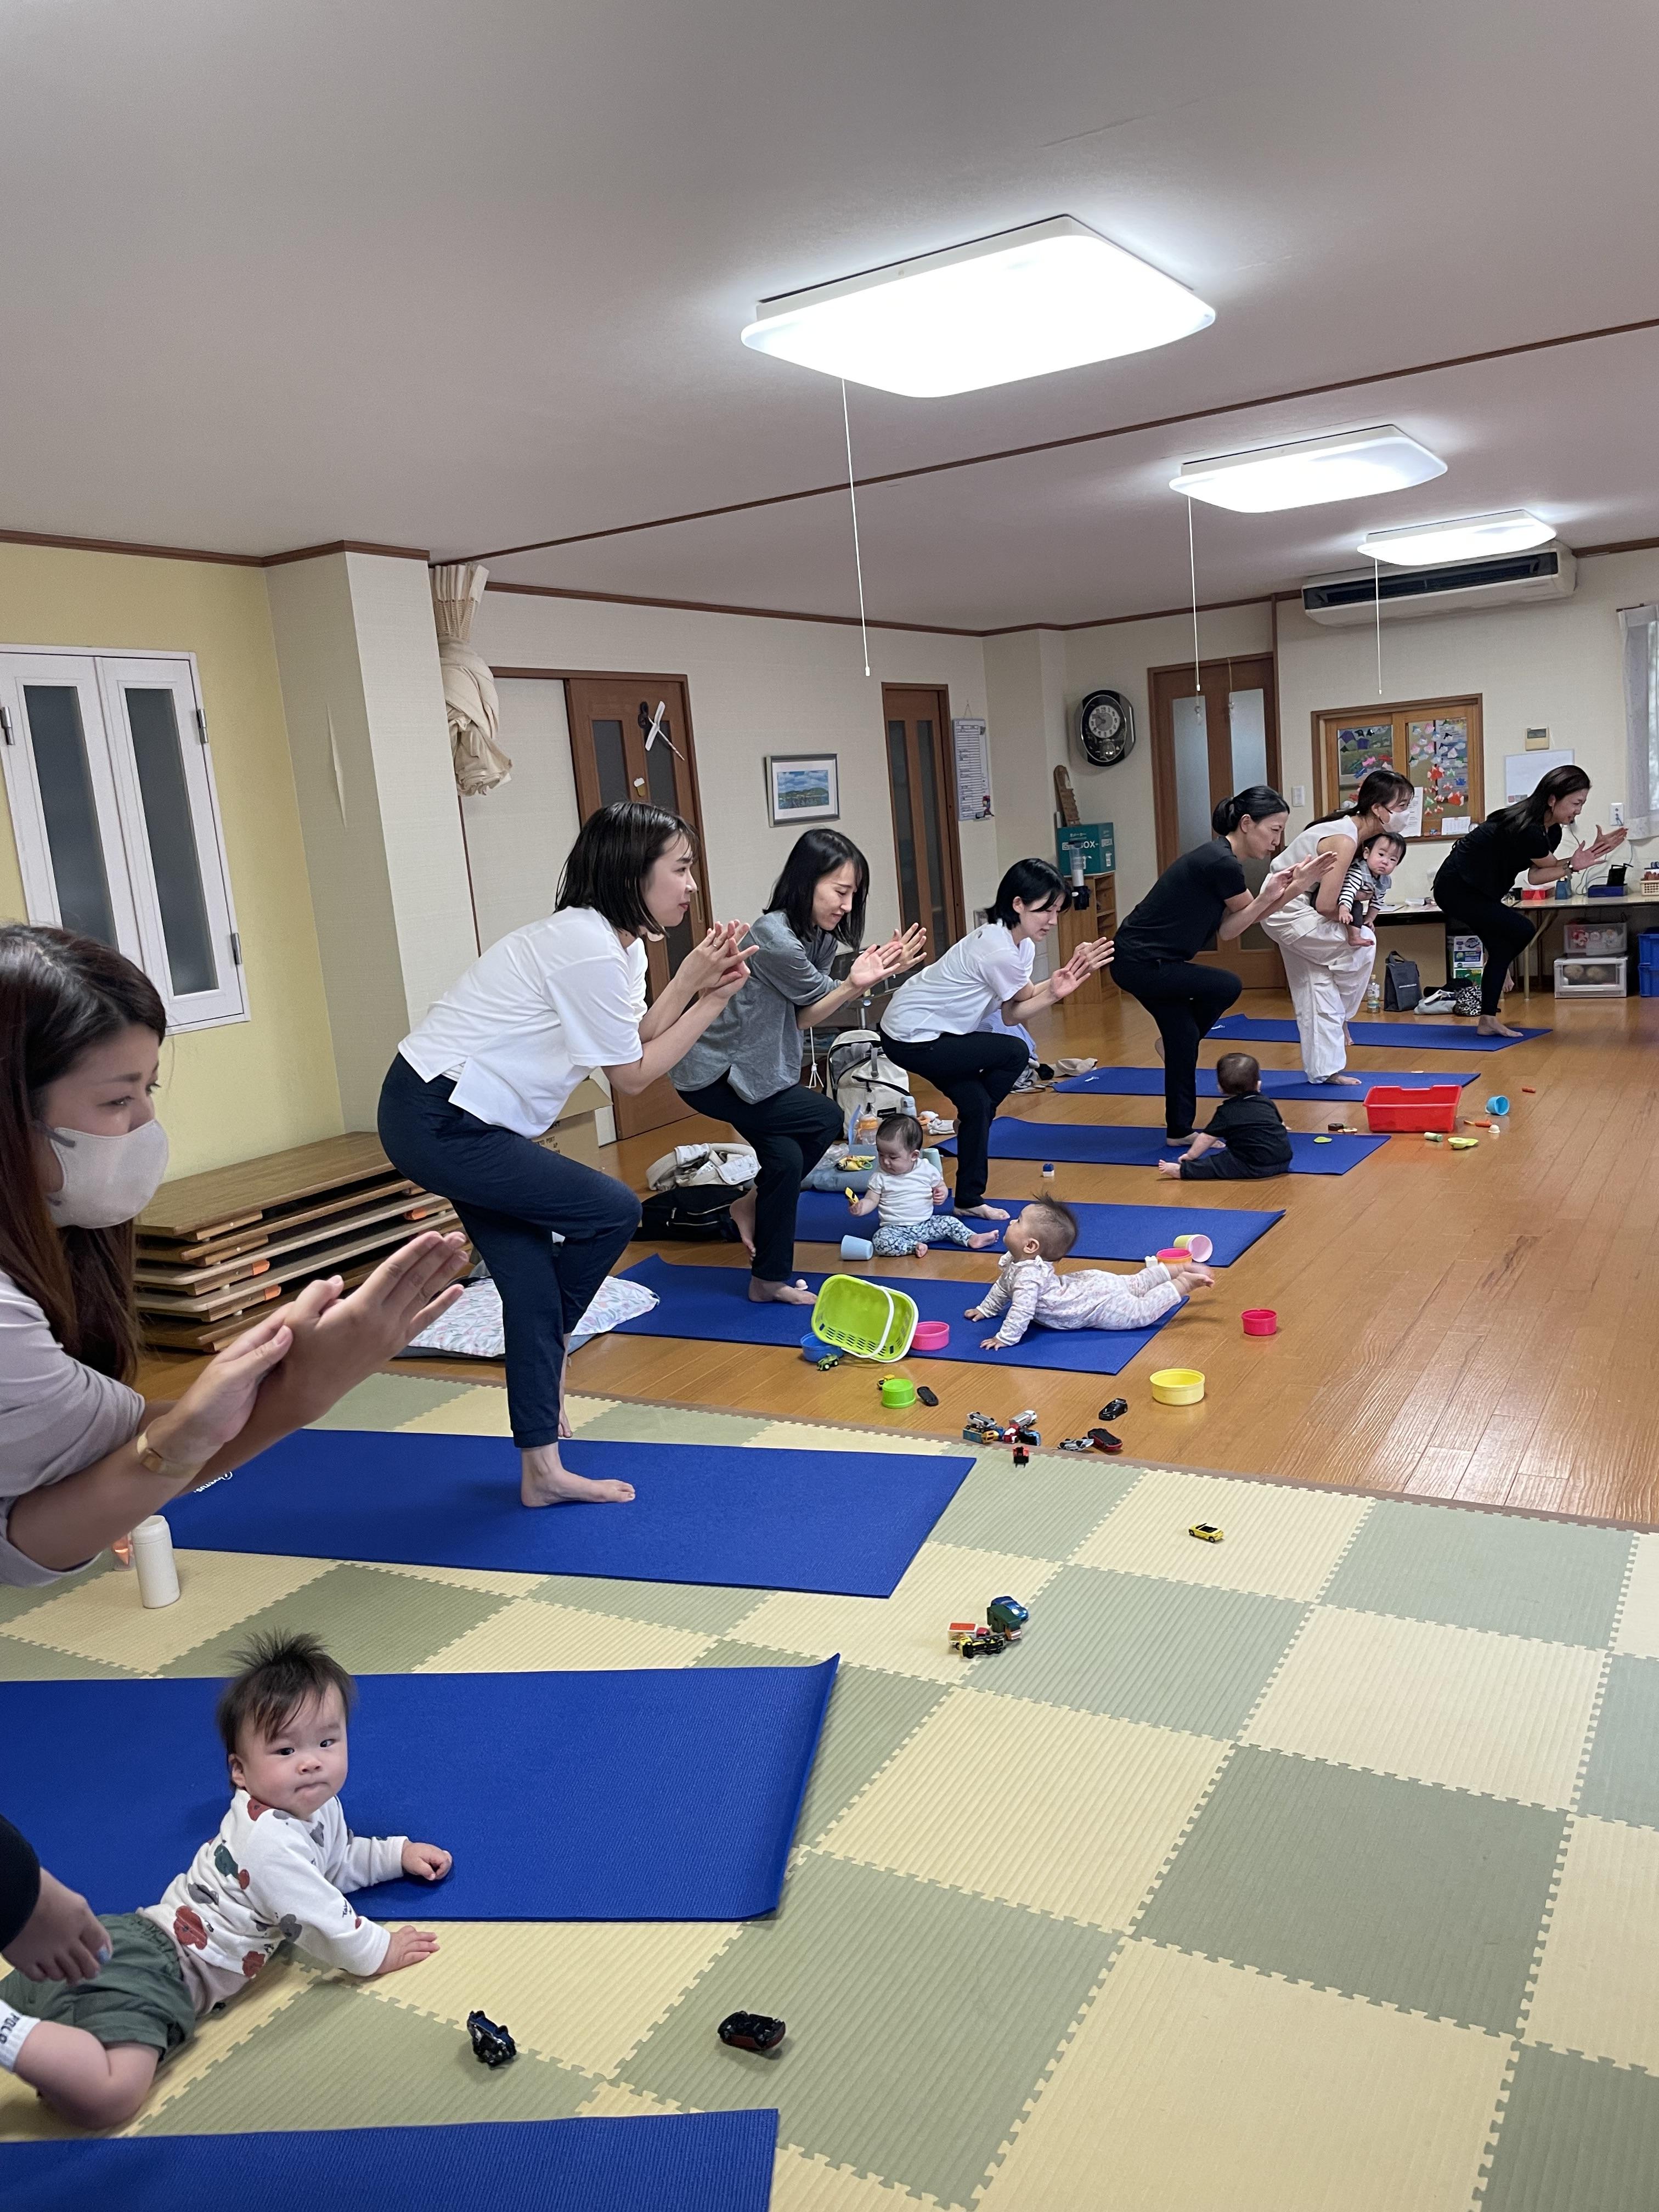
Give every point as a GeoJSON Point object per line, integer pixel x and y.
{"type": "Point", "coordinates": [1354, 464]}
{"type": "Point", "coordinates": [1425, 544]}
{"type": "Point", "coordinates": [1025, 303]}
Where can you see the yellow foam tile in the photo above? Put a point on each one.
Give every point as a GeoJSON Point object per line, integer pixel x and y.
{"type": "Point", "coordinates": [528, 1636]}
{"type": "Point", "coordinates": [1598, 1986]}
{"type": "Point", "coordinates": [1216, 2089]}
{"type": "Point", "coordinates": [481, 1413]}
{"type": "Point", "coordinates": [1504, 1715]}
{"type": "Point", "coordinates": [584, 1993]}
{"type": "Point", "coordinates": [103, 1620]}
{"type": "Point", "coordinates": [1101, 1804]}
{"type": "Point", "coordinates": [611, 2100]}
{"type": "Point", "coordinates": [904, 1633]}
{"type": "Point", "coordinates": [804, 2183]}
{"type": "Point", "coordinates": [1638, 1623]}
{"type": "Point", "coordinates": [1277, 1540]}
{"type": "Point", "coordinates": [802, 1435]}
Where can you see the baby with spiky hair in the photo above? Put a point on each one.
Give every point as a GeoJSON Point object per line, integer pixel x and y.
{"type": "Point", "coordinates": [279, 1871]}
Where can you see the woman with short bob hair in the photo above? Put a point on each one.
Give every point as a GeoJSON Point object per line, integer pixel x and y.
{"type": "Point", "coordinates": [746, 1067]}
{"type": "Point", "coordinates": [83, 1457]}
{"type": "Point", "coordinates": [489, 1070]}
{"type": "Point", "coordinates": [934, 1023]}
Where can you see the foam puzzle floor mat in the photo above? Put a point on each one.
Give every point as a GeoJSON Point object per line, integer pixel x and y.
{"type": "Point", "coordinates": [1316, 1867]}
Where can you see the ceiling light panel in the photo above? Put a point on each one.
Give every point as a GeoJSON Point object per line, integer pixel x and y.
{"type": "Point", "coordinates": [1355, 465]}
{"type": "Point", "coordinates": [1025, 303]}
{"type": "Point", "coordinates": [1426, 544]}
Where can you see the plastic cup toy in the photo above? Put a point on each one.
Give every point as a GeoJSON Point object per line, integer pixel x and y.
{"type": "Point", "coordinates": [1260, 1321]}
{"type": "Point", "coordinates": [1196, 1246]}
{"type": "Point", "coordinates": [931, 1336]}
{"type": "Point", "coordinates": [897, 1390]}
{"type": "Point", "coordinates": [1178, 1386]}
{"type": "Point", "coordinates": [857, 1247]}
{"type": "Point", "coordinates": [814, 1348]}
{"type": "Point", "coordinates": [1499, 1104]}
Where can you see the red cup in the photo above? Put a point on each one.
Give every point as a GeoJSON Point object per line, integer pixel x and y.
{"type": "Point", "coordinates": [1260, 1321]}
{"type": "Point", "coordinates": [931, 1336]}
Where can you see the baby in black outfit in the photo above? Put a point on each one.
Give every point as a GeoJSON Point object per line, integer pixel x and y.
{"type": "Point", "coordinates": [1247, 1137]}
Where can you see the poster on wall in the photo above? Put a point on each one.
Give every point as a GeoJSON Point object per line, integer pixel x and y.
{"type": "Point", "coordinates": [973, 754]}
{"type": "Point", "coordinates": [1522, 770]}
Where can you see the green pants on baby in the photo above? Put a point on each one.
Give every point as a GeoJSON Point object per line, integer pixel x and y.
{"type": "Point", "coordinates": [139, 1996]}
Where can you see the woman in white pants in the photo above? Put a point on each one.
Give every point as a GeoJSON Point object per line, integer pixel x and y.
{"type": "Point", "coordinates": [1326, 975]}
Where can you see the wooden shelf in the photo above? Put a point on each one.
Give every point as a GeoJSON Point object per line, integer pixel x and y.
{"type": "Point", "coordinates": [1077, 925]}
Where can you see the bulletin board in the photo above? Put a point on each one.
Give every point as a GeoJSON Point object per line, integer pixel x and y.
{"type": "Point", "coordinates": [1436, 743]}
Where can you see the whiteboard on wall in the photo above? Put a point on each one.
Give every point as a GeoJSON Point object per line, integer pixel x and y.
{"type": "Point", "coordinates": [1522, 770]}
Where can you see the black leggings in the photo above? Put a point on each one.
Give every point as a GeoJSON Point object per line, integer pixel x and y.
{"type": "Point", "coordinates": [1226, 1167]}
{"type": "Point", "coordinates": [1186, 1001]}
{"type": "Point", "coordinates": [1504, 933]}
{"type": "Point", "coordinates": [791, 1132]}
{"type": "Point", "coordinates": [975, 1072]}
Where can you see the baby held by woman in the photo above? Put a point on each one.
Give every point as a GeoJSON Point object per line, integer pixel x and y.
{"type": "Point", "coordinates": [1031, 1288]}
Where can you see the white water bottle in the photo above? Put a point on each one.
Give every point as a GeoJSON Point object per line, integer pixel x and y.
{"type": "Point", "coordinates": [152, 1555]}
{"type": "Point", "coordinates": [1373, 995]}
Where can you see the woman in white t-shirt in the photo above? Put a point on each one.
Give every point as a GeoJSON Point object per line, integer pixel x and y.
{"type": "Point", "coordinates": [934, 1023]}
{"type": "Point", "coordinates": [490, 1067]}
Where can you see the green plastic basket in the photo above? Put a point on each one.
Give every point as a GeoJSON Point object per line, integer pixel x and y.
{"type": "Point", "coordinates": [864, 1318]}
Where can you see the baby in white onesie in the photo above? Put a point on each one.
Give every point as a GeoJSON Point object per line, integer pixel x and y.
{"type": "Point", "coordinates": [278, 1871]}
{"type": "Point", "coordinates": [1031, 1288]}
{"type": "Point", "coordinates": [903, 1192]}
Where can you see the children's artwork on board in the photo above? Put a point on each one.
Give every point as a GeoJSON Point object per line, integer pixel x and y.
{"type": "Point", "coordinates": [1437, 762]}
{"type": "Point", "coordinates": [1360, 747]}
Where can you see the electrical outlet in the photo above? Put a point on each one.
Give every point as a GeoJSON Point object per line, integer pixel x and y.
{"type": "Point", "coordinates": [1299, 794]}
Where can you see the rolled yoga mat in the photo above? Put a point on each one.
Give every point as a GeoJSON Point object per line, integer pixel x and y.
{"type": "Point", "coordinates": [847, 1522]}
{"type": "Point", "coordinates": [1276, 1082]}
{"type": "Point", "coordinates": [1405, 1033]}
{"type": "Point", "coordinates": [657, 2162]}
{"type": "Point", "coordinates": [712, 1304]}
{"type": "Point", "coordinates": [1104, 1144]}
{"type": "Point", "coordinates": [664, 1793]}
{"type": "Point", "coordinates": [1103, 1232]}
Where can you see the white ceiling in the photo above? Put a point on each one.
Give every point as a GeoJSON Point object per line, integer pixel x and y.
{"type": "Point", "coordinates": [463, 277]}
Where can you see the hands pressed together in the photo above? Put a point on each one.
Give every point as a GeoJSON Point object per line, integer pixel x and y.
{"type": "Point", "coordinates": [718, 967]}
{"type": "Point", "coordinates": [902, 951]}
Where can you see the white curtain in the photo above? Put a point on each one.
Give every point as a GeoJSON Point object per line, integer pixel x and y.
{"type": "Point", "coordinates": [469, 687]}
{"type": "Point", "coordinates": [1640, 626]}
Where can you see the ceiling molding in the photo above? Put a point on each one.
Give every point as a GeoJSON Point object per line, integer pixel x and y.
{"type": "Point", "coordinates": [134, 552]}
{"type": "Point", "coordinates": [1082, 438]}
{"type": "Point", "coordinates": [715, 607]}
{"type": "Point", "coordinates": [344, 546]}
{"type": "Point", "coordinates": [1152, 614]}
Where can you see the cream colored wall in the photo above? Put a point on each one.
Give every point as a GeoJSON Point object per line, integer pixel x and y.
{"type": "Point", "coordinates": [262, 1085]}
{"type": "Point", "coordinates": [760, 686]}
{"type": "Point", "coordinates": [1555, 665]}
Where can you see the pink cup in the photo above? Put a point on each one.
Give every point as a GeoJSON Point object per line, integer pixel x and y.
{"type": "Point", "coordinates": [1173, 1256]}
{"type": "Point", "coordinates": [1260, 1321]}
{"type": "Point", "coordinates": [931, 1336]}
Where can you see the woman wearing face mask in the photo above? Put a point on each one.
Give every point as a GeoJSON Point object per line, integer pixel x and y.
{"type": "Point", "coordinates": [83, 1458]}
{"type": "Point", "coordinates": [746, 1067]}
{"type": "Point", "coordinates": [933, 1023]}
{"type": "Point", "coordinates": [1201, 896]}
{"type": "Point", "coordinates": [490, 1067]}
{"type": "Point", "coordinates": [1326, 975]}
{"type": "Point", "coordinates": [1481, 867]}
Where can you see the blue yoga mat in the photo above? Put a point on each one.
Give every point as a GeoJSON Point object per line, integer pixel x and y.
{"type": "Point", "coordinates": [849, 1522]}
{"type": "Point", "coordinates": [1103, 1232]}
{"type": "Point", "coordinates": [667, 1793]}
{"type": "Point", "coordinates": [1405, 1033]}
{"type": "Point", "coordinates": [1098, 1144]}
{"type": "Point", "coordinates": [712, 1304]}
{"type": "Point", "coordinates": [667, 2162]}
{"type": "Point", "coordinates": [1276, 1082]}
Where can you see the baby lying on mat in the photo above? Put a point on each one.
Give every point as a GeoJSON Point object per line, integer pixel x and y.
{"type": "Point", "coordinates": [1031, 1288]}
{"type": "Point", "coordinates": [277, 1872]}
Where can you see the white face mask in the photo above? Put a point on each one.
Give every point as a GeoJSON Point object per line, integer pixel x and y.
{"type": "Point", "coordinates": [106, 1180]}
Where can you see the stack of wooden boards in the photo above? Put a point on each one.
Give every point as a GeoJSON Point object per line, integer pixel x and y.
{"type": "Point", "coordinates": [212, 1250]}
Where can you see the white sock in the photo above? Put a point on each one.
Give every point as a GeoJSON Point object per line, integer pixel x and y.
{"type": "Point", "coordinates": [15, 2028]}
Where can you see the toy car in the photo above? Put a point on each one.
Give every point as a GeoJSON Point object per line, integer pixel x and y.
{"type": "Point", "coordinates": [1206, 1531]}
{"type": "Point", "coordinates": [1007, 1616]}
{"type": "Point", "coordinates": [971, 1642]}
{"type": "Point", "coordinates": [1025, 1420]}
{"type": "Point", "coordinates": [1104, 1440]}
{"type": "Point", "coordinates": [1115, 1411]}
{"type": "Point", "coordinates": [829, 1359]}
{"type": "Point", "coordinates": [1077, 1443]}
{"type": "Point", "coordinates": [492, 2045]}
{"type": "Point", "coordinates": [1022, 1457]}
{"type": "Point", "coordinates": [927, 1397]}
{"type": "Point", "coordinates": [751, 2031]}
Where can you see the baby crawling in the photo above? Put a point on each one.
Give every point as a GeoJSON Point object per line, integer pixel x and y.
{"type": "Point", "coordinates": [1031, 1288]}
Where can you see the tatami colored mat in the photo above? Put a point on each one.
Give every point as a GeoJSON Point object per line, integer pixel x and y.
{"type": "Point", "coordinates": [1318, 1868]}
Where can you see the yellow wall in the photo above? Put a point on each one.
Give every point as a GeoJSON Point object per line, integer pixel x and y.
{"type": "Point", "coordinates": [255, 1086]}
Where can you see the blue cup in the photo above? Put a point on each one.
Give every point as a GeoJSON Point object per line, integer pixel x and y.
{"type": "Point", "coordinates": [1498, 1105]}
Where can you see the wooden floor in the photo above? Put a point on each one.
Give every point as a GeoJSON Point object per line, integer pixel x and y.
{"type": "Point", "coordinates": [1480, 1325]}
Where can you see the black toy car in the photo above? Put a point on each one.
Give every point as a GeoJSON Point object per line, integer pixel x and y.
{"type": "Point", "coordinates": [492, 2045]}
{"type": "Point", "coordinates": [751, 2031]}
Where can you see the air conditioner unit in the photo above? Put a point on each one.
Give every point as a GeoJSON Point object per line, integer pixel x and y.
{"type": "Point", "coordinates": [1456, 588]}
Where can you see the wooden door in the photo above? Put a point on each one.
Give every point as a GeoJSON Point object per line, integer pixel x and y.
{"type": "Point", "coordinates": [1214, 734]}
{"type": "Point", "coordinates": [921, 780]}
{"type": "Point", "coordinates": [611, 717]}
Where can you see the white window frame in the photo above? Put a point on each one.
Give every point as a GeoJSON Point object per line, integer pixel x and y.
{"type": "Point", "coordinates": [100, 679]}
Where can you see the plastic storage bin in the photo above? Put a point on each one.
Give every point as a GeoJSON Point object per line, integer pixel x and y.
{"type": "Point", "coordinates": [1590, 978]}
{"type": "Point", "coordinates": [1596, 940]}
{"type": "Point", "coordinates": [1389, 1109]}
{"type": "Point", "coordinates": [1647, 977]}
{"type": "Point", "coordinates": [863, 1318]}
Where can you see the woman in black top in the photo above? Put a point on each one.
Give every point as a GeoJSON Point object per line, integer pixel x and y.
{"type": "Point", "coordinates": [1480, 868]}
{"type": "Point", "coordinates": [1200, 896]}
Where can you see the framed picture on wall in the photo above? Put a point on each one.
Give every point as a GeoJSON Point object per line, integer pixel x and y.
{"type": "Point", "coordinates": [1434, 742]}
{"type": "Point", "coordinates": [803, 788]}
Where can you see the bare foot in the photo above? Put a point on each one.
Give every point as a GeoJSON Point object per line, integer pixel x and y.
{"type": "Point", "coordinates": [1157, 1046]}
{"type": "Point", "coordinates": [743, 1219]}
{"type": "Point", "coordinates": [986, 1236]}
{"type": "Point", "coordinates": [783, 1294]}
{"type": "Point", "coordinates": [981, 1212]}
{"type": "Point", "coordinates": [1171, 1168]}
{"type": "Point", "coordinates": [544, 1481]}
{"type": "Point", "coordinates": [1489, 1025]}
{"type": "Point", "coordinates": [1350, 1082]}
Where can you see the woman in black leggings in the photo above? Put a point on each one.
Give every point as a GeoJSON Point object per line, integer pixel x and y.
{"type": "Point", "coordinates": [1481, 867]}
{"type": "Point", "coordinates": [1201, 896]}
{"type": "Point", "coordinates": [933, 1024]}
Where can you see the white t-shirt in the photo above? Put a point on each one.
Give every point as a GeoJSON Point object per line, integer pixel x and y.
{"type": "Point", "coordinates": [901, 1200]}
{"type": "Point", "coordinates": [984, 970]}
{"type": "Point", "coordinates": [542, 1008]}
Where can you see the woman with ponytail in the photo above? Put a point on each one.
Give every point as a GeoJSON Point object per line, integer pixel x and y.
{"type": "Point", "coordinates": [1325, 971]}
{"type": "Point", "coordinates": [1200, 896]}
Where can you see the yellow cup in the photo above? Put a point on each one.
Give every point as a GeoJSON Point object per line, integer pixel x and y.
{"type": "Point", "coordinates": [1178, 1386]}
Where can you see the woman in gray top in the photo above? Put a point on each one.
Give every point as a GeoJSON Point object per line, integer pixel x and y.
{"type": "Point", "coordinates": [746, 1067]}
{"type": "Point", "coordinates": [83, 1458]}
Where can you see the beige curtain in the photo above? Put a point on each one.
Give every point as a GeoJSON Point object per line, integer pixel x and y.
{"type": "Point", "coordinates": [469, 687]}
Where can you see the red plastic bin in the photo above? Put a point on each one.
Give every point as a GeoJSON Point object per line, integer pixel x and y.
{"type": "Point", "coordinates": [1389, 1108]}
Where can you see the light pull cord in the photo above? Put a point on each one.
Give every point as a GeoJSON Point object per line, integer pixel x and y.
{"type": "Point", "coordinates": [852, 495]}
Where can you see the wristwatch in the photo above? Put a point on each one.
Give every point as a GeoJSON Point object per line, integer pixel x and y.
{"type": "Point", "coordinates": [152, 1461]}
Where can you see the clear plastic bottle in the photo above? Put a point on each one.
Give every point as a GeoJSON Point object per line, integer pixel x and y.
{"type": "Point", "coordinates": [1373, 996]}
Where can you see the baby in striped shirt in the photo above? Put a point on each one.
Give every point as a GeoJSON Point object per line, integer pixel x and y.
{"type": "Point", "coordinates": [1031, 1288]}
{"type": "Point", "coordinates": [1366, 883]}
